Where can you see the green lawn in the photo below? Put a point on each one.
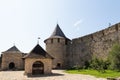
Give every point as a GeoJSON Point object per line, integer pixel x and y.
{"type": "Point", "coordinates": [108, 73]}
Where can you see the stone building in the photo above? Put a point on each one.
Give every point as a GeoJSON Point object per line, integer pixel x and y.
{"type": "Point", "coordinates": [12, 59]}
{"type": "Point", "coordinates": [66, 53]}
{"type": "Point", "coordinates": [78, 51]}
{"type": "Point", "coordinates": [56, 46]}
{"type": "Point", "coordinates": [97, 44]}
{"type": "Point", "coordinates": [38, 61]}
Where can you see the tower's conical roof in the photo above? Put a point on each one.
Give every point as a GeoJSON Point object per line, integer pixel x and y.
{"type": "Point", "coordinates": [13, 49]}
{"type": "Point", "coordinates": [38, 52]}
{"type": "Point", "coordinates": [57, 32]}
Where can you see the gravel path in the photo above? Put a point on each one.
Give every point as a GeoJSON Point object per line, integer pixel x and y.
{"type": "Point", "coordinates": [57, 75]}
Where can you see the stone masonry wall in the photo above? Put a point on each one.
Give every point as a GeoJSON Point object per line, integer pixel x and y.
{"type": "Point", "coordinates": [29, 63]}
{"type": "Point", "coordinates": [16, 58]}
{"type": "Point", "coordinates": [98, 44]}
{"type": "Point", "coordinates": [57, 49]}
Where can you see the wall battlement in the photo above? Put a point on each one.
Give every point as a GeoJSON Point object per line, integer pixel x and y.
{"type": "Point", "coordinates": [101, 33]}
{"type": "Point", "coordinates": [97, 44]}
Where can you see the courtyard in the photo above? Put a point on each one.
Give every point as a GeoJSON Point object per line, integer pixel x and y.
{"type": "Point", "coordinates": [57, 75]}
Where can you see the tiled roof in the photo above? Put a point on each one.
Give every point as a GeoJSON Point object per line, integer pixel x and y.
{"type": "Point", "coordinates": [57, 32]}
{"type": "Point", "coordinates": [13, 49]}
{"type": "Point", "coordinates": [38, 52]}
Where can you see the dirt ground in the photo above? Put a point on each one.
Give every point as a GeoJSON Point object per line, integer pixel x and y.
{"type": "Point", "coordinates": [57, 75]}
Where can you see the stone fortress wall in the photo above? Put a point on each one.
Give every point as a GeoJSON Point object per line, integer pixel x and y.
{"type": "Point", "coordinates": [98, 44]}
{"type": "Point", "coordinates": [68, 53]}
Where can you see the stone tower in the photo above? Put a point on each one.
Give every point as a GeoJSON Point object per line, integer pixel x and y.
{"type": "Point", "coordinates": [56, 46]}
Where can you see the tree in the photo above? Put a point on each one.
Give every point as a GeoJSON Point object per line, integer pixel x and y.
{"type": "Point", "coordinates": [114, 57]}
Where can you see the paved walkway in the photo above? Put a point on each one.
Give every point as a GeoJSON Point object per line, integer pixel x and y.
{"type": "Point", "coordinates": [57, 75]}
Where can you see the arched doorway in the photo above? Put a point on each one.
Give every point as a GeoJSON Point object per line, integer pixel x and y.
{"type": "Point", "coordinates": [11, 65]}
{"type": "Point", "coordinates": [37, 68]}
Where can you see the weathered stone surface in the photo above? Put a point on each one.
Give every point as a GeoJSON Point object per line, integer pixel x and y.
{"type": "Point", "coordinates": [97, 44]}
{"type": "Point", "coordinates": [68, 53]}
{"type": "Point", "coordinates": [80, 50]}
{"type": "Point", "coordinates": [29, 65]}
{"type": "Point", "coordinates": [56, 47]}
{"type": "Point", "coordinates": [15, 58]}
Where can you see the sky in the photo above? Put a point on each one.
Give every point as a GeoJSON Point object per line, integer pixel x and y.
{"type": "Point", "coordinates": [23, 21]}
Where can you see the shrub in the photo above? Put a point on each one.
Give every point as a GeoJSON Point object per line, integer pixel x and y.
{"type": "Point", "coordinates": [114, 57]}
{"type": "Point", "coordinates": [98, 64]}
{"type": "Point", "coordinates": [87, 64]}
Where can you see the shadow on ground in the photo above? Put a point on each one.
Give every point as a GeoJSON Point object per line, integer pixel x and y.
{"type": "Point", "coordinates": [45, 75]}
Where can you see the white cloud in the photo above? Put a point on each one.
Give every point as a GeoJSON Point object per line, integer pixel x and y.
{"type": "Point", "coordinates": [78, 23]}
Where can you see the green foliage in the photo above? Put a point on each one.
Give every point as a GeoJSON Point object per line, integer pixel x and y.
{"type": "Point", "coordinates": [99, 65]}
{"type": "Point", "coordinates": [114, 57]}
{"type": "Point", "coordinates": [108, 73]}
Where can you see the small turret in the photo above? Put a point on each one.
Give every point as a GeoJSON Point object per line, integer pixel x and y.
{"type": "Point", "coordinates": [56, 46]}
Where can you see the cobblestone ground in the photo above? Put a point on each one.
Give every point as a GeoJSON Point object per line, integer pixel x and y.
{"type": "Point", "coordinates": [57, 75]}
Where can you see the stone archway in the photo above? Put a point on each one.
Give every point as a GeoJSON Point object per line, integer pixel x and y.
{"type": "Point", "coordinates": [11, 65]}
{"type": "Point", "coordinates": [37, 68]}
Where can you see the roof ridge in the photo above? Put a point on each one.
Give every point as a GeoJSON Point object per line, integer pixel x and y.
{"type": "Point", "coordinates": [13, 48]}
{"type": "Point", "coordinates": [36, 48]}
{"type": "Point", "coordinates": [38, 52]}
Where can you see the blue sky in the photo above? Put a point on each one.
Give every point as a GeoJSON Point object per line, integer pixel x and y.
{"type": "Point", "coordinates": [23, 21]}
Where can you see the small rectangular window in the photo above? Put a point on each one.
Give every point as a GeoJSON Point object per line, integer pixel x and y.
{"type": "Point", "coordinates": [51, 40]}
{"type": "Point", "coordinates": [66, 42]}
{"type": "Point", "coordinates": [58, 40]}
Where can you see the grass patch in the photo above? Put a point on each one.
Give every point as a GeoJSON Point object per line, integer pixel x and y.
{"type": "Point", "coordinates": [108, 73]}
